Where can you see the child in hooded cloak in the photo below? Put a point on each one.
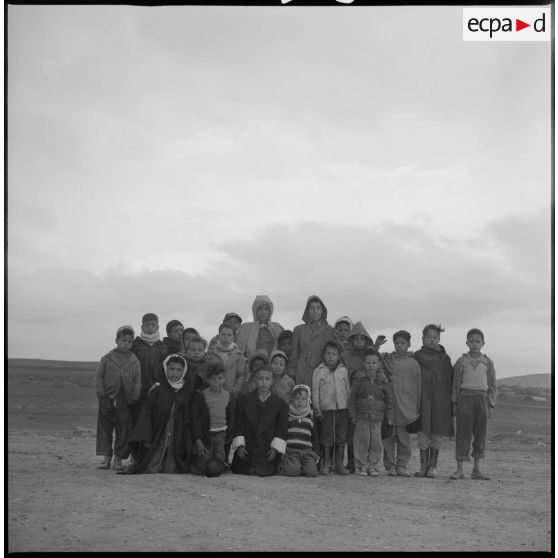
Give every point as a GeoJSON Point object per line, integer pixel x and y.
{"type": "Point", "coordinates": [309, 339]}
{"type": "Point", "coordinates": [283, 384]}
{"type": "Point", "coordinates": [162, 432]}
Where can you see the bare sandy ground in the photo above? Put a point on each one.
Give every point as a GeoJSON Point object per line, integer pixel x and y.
{"type": "Point", "coordinates": [59, 501]}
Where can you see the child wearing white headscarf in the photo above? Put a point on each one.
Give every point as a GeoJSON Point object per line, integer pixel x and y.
{"type": "Point", "coordinates": [162, 432]}
{"type": "Point", "coordinates": [302, 454]}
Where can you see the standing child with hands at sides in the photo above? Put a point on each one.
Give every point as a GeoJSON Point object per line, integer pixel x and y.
{"type": "Point", "coordinates": [369, 403]}
{"type": "Point", "coordinates": [118, 387]}
{"type": "Point", "coordinates": [330, 392]}
{"type": "Point", "coordinates": [282, 383]}
{"type": "Point", "coordinates": [210, 419]}
{"type": "Point", "coordinates": [436, 381]}
{"type": "Point", "coordinates": [404, 372]}
{"type": "Point", "coordinates": [309, 339]}
{"type": "Point", "coordinates": [473, 398]}
{"type": "Point", "coordinates": [260, 432]}
{"type": "Point", "coordinates": [303, 445]}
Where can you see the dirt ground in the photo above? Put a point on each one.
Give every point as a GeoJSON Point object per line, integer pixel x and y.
{"type": "Point", "coordinates": [59, 501]}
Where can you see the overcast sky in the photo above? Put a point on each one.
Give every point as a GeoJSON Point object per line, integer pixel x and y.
{"type": "Point", "coordinates": [181, 160]}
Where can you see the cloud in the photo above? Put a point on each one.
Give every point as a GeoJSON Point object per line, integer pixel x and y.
{"type": "Point", "coordinates": [388, 276]}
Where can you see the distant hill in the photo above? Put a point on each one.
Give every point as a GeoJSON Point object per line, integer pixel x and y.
{"type": "Point", "coordinates": [50, 364]}
{"type": "Point", "coordinates": [528, 380]}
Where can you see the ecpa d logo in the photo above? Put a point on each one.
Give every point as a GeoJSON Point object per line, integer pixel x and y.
{"type": "Point", "coordinates": [506, 24]}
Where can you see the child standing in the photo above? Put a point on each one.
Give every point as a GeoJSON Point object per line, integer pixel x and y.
{"type": "Point", "coordinates": [473, 398]}
{"type": "Point", "coordinates": [303, 446]}
{"type": "Point", "coordinates": [369, 403]}
{"type": "Point", "coordinates": [150, 351]}
{"type": "Point", "coordinates": [309, 339]}
{"type": "Point", "coordinates": [343, 328]}
{"type": "Point", "coordinates": [404, 372]}
{"type": "Point", "coordinates": [262, 333]}
{"type": "Point", "coordinates": [330, 391]}
{"type": "Point", "coordinates": [118, 387]}
{"type": "Point", "coordinates": [173, 340]}
{"type": "Point", "coordinates": [162, 433]}
{"type": "Point", "coordinates": [285, 342]}
{"type": "Point", "coordinates": [282, 383]}
{"type": "Point", "coordinates": [353, 356]}
{"type": "Point", "coordinates": [232, 318]}
{"type": "Point", "coordinates": [196, 358]}
{"type": "Point", "coordinates": [210, 418]}
{"type": "Point", "coordinates": [226, 351]}
{"type": "Point", "coordinates": [260, 433]}
{"type": "Point", "coordinates": [436, 381]}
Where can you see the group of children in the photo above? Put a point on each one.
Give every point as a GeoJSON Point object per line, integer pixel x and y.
{"type": "Point", "coordinates": [263, 400]}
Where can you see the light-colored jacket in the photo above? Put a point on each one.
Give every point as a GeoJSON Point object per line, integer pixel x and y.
{"type": "Point", "coordinates": [247, 334]}
{"type": "Point", "coordinates": [111, 375]}
{"type": "Point", "coordinates": [330, 388]}
{"type": "Point", "coordinates": [235, 365]}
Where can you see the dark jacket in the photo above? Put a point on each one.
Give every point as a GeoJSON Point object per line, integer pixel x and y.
{"type": "Point", "coordinates": [173, 347]}
{"type": "Point", "coordinates": [151, 362]}
{"type": "Point", "coordinates": [260, 425]}
{"type": "Point", "coordinates": [370, 400]}
{"type": "Point", "coordinates": [436, 380]}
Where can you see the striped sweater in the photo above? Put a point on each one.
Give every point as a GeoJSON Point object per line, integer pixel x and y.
{"type": "Point", "coordinates": [299, 435]}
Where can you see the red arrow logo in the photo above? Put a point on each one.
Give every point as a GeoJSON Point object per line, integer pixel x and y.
{"type": "Point", "coordinates": [519, 25]}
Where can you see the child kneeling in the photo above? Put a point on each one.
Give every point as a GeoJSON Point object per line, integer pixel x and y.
{"type": "Point", "coordinates": [260, 433]}
{"type": "Point", "coordinates": [303, 446]}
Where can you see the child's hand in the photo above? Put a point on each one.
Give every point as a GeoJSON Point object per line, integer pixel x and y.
{"type": "Point", "coordinates": [319, 418]}
{"type": "Point", "coordinates": [380, 340]}
{"type": "Point", "coordinates": [382, 377]}
{"type": "Point", "coordinates": [200, 448]}
{"type": "Point", "coordinates": [271, 454]}
{"type": "Point", "coordinates": [241, 451]}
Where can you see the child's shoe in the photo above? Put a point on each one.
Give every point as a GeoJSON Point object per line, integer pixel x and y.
{"type": "Point", "coordinates": [363, 472]}
{"type": "Point", "coordinates": [402, 472]}
{"type": "Point", "coordinates": [391, 472]}
{"type": "Point", "coordinates": [105, 463]}
{"type": "Point", "coordinates": [118, 464]}
{"type": "Point", "coordinates": [432, 471]}
{"type": "Point", "coordinates": [477, 475]}
{"type": "Point", "coordinates": [373, 472]}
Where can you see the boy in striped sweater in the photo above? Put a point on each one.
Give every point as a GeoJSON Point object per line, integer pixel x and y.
{"type": "Point", "coordinates": [302, 454]}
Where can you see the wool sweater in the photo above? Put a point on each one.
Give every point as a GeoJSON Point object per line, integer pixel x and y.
{"type": "Point", "coordinates": [490, 376]}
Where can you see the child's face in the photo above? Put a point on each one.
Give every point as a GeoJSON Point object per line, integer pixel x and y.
{"type": "Point", "coordinates": [263, 312]}
{"type": "Point", "coordinates": [300, 400]}
{"type": "Point", "coordinates": [331, 357]}
{"type": "Point", "coordinates": [174, 371]}
{"type": "Point", "coordinates": [264, 379]}
{"type": "Point", "coordinates": [125, 342]}
{"type": "Point", "coordinates": [401, 345]}
{"type": "Point", "coordinates": [226, 336]}
{"type": "Point", "coordinates": [196, 350]}
{"type": "Point", "coordinates": [150, 327]}
{"type": "Point", "coordinates": [359, 342]}
{"type": "Point", "coordinates": [286, 345]}
{"type": "Point", "coordinates": [278, 366]}
{"type": "Point", "coordinates": [371, 365]}
{"type": "Point", "coordinates": [216, 382]}
{"type": "Point", "coordinates": [475, 343]}
{"type": "Point", "coordinates": [431, 339]}
{"type": "Point", "coordinates": [315, 311]}
{"type": "Point", "coordinates": [343, 329]}
{"type": "Point", "coordinates": [176, 333]}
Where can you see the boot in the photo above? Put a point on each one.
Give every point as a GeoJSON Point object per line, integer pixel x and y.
{"type": "Point", "coordinates": [105, 463]}
{"type": "Point", "coordinates": [424, 456]}
{"type": "Point", "coordinates": [351, 459]}
{"type": "Point", "coordinates": [339, 468]}
{"type": "Point", "coordinates": [433, 463]}
{"type": "Point", "coordinates": [324, 465]}
{"type": "Point", "coordinates": [117, 465]}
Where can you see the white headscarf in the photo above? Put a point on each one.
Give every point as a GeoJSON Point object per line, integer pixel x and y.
{"type": "Point", "coordinates": [178, 385]}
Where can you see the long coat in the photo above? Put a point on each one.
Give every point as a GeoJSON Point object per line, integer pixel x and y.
{"type": "Point", "coordinates": [435, 391]}
{"type": "Point", "coordinates": [152, 429]}
{"type": "Point", "coordinates": [151, 359]}
{"type": "Point", "coordinates": [260, 424]}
